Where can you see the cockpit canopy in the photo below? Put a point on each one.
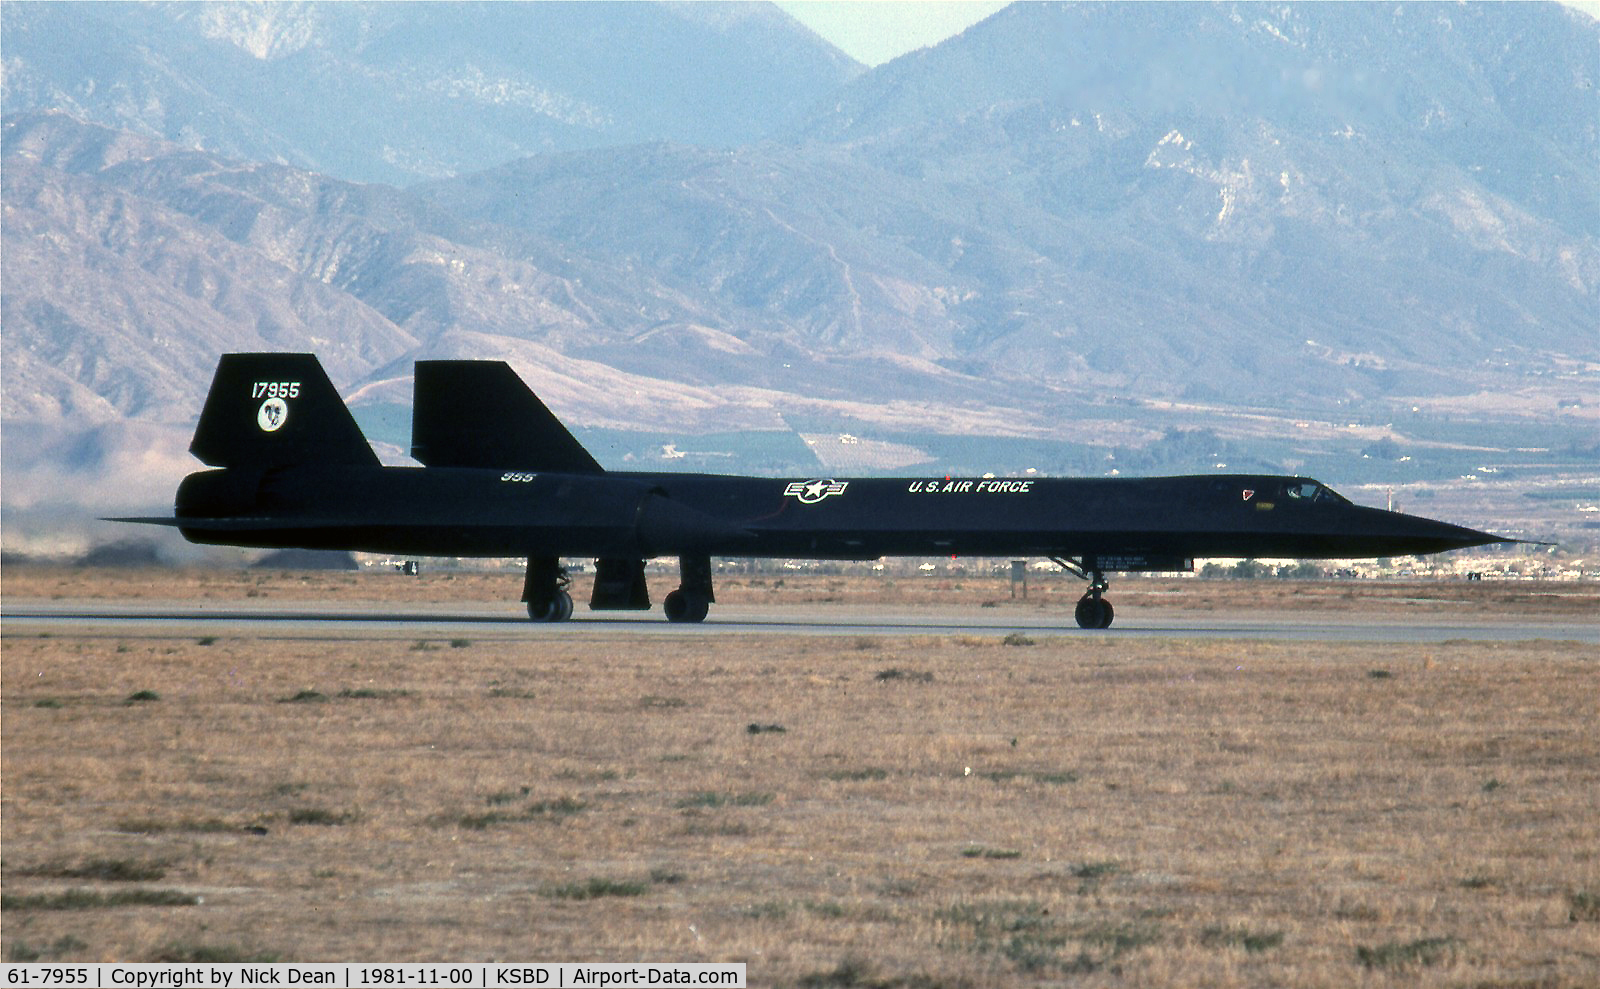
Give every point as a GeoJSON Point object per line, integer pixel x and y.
{"type": "Point", "coordinates": [1304, 490]}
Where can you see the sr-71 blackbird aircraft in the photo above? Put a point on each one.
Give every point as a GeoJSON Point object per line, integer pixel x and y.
{"type": "Point", "coordinates": [503, 477]}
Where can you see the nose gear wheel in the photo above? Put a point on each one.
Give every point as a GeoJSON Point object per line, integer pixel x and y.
{"type": "Point", "coordinates": [1093, 610]}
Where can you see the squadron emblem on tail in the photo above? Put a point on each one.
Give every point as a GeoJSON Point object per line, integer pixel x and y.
{"type": "Point", "coordinates": [274, 412]}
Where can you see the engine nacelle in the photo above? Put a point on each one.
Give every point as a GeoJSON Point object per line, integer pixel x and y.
{"type": "Point", "coordinates": [215, 494]}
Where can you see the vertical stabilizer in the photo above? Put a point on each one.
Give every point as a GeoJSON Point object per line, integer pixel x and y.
{"type": "Point", "coordinates": [274, 410]}
{"type": "Point", "coordinates": [480, 414]}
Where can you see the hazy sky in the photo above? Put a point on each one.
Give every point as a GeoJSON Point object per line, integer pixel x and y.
{"type": "Point", "coordinates": [875, 31]}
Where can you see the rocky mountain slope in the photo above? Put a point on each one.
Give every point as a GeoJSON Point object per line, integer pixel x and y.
{"type": "Point", "coordinates": [1083, 223]}
{"type": "Point", "coordinates": [386, 92]}
{"type": "Point", "coordinates": [1413, 183]}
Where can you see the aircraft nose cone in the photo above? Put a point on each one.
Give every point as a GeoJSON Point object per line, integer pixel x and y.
{"type": "Point", "coordinates": [1411, 535]}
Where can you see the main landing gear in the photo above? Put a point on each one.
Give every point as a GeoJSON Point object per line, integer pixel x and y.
{"type": "Point", "coordinates": [619, 586]}
{"type": "Point", "coordinates": [692, 601]}
{"type": "Point", "coordinates": [544, 589]}
{"type": "Point", "coordinates": [1093, 610]}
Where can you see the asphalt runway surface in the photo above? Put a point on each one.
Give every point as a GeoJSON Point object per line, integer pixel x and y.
{"type": "Point", "coordinates": [503, 621]}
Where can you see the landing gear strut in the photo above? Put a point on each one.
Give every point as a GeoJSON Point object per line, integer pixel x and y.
{"type": "Point", "coordinates": [1093, 610]}
{"type": "Point", "coordinates": [545, 590]}
{"type": "Point", "coordinates": [692, 601]}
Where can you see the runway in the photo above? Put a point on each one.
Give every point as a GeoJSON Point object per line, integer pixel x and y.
{"type": "Point", "coordinates": [501, 621]}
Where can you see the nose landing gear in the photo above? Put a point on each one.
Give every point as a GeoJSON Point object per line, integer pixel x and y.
{"type": "Point", "coordinates": [1093, 610]}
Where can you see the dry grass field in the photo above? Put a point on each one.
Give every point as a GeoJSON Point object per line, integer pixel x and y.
{"type": "Point", "coordinates": [1049, 595]}
{"type": "Point", "coordinates": [848, 811]}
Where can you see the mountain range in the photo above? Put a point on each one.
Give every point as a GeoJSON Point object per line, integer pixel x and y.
{"type": "Point", "coordinates": [393, 92]}
{"type": "Point", "coordinates": [1303, 228]}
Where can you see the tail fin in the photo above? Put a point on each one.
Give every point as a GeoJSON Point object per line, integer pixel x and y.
{"type": "Point", "coordinates": [480, 414]}
{"type": "Point", "coordinates": [273, 410]}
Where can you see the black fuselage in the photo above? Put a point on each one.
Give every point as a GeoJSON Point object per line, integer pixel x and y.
{"type": "Point", "coordinates": [502, 476]}
{"type": "Point", "coordinates": [1112, 523]}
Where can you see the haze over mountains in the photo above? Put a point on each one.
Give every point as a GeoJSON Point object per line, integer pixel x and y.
{"type": "Point", "coordinates": [391, 92]}
{"type": "Point", "coordinates": [1082, 224]}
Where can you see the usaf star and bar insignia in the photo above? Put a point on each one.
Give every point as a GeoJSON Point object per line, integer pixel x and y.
{"type": "Point", "coordinates": [811, 492]}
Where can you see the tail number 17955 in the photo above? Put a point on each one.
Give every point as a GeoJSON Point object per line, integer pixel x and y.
{"type": "Point", "coordinates": [275, 389]}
